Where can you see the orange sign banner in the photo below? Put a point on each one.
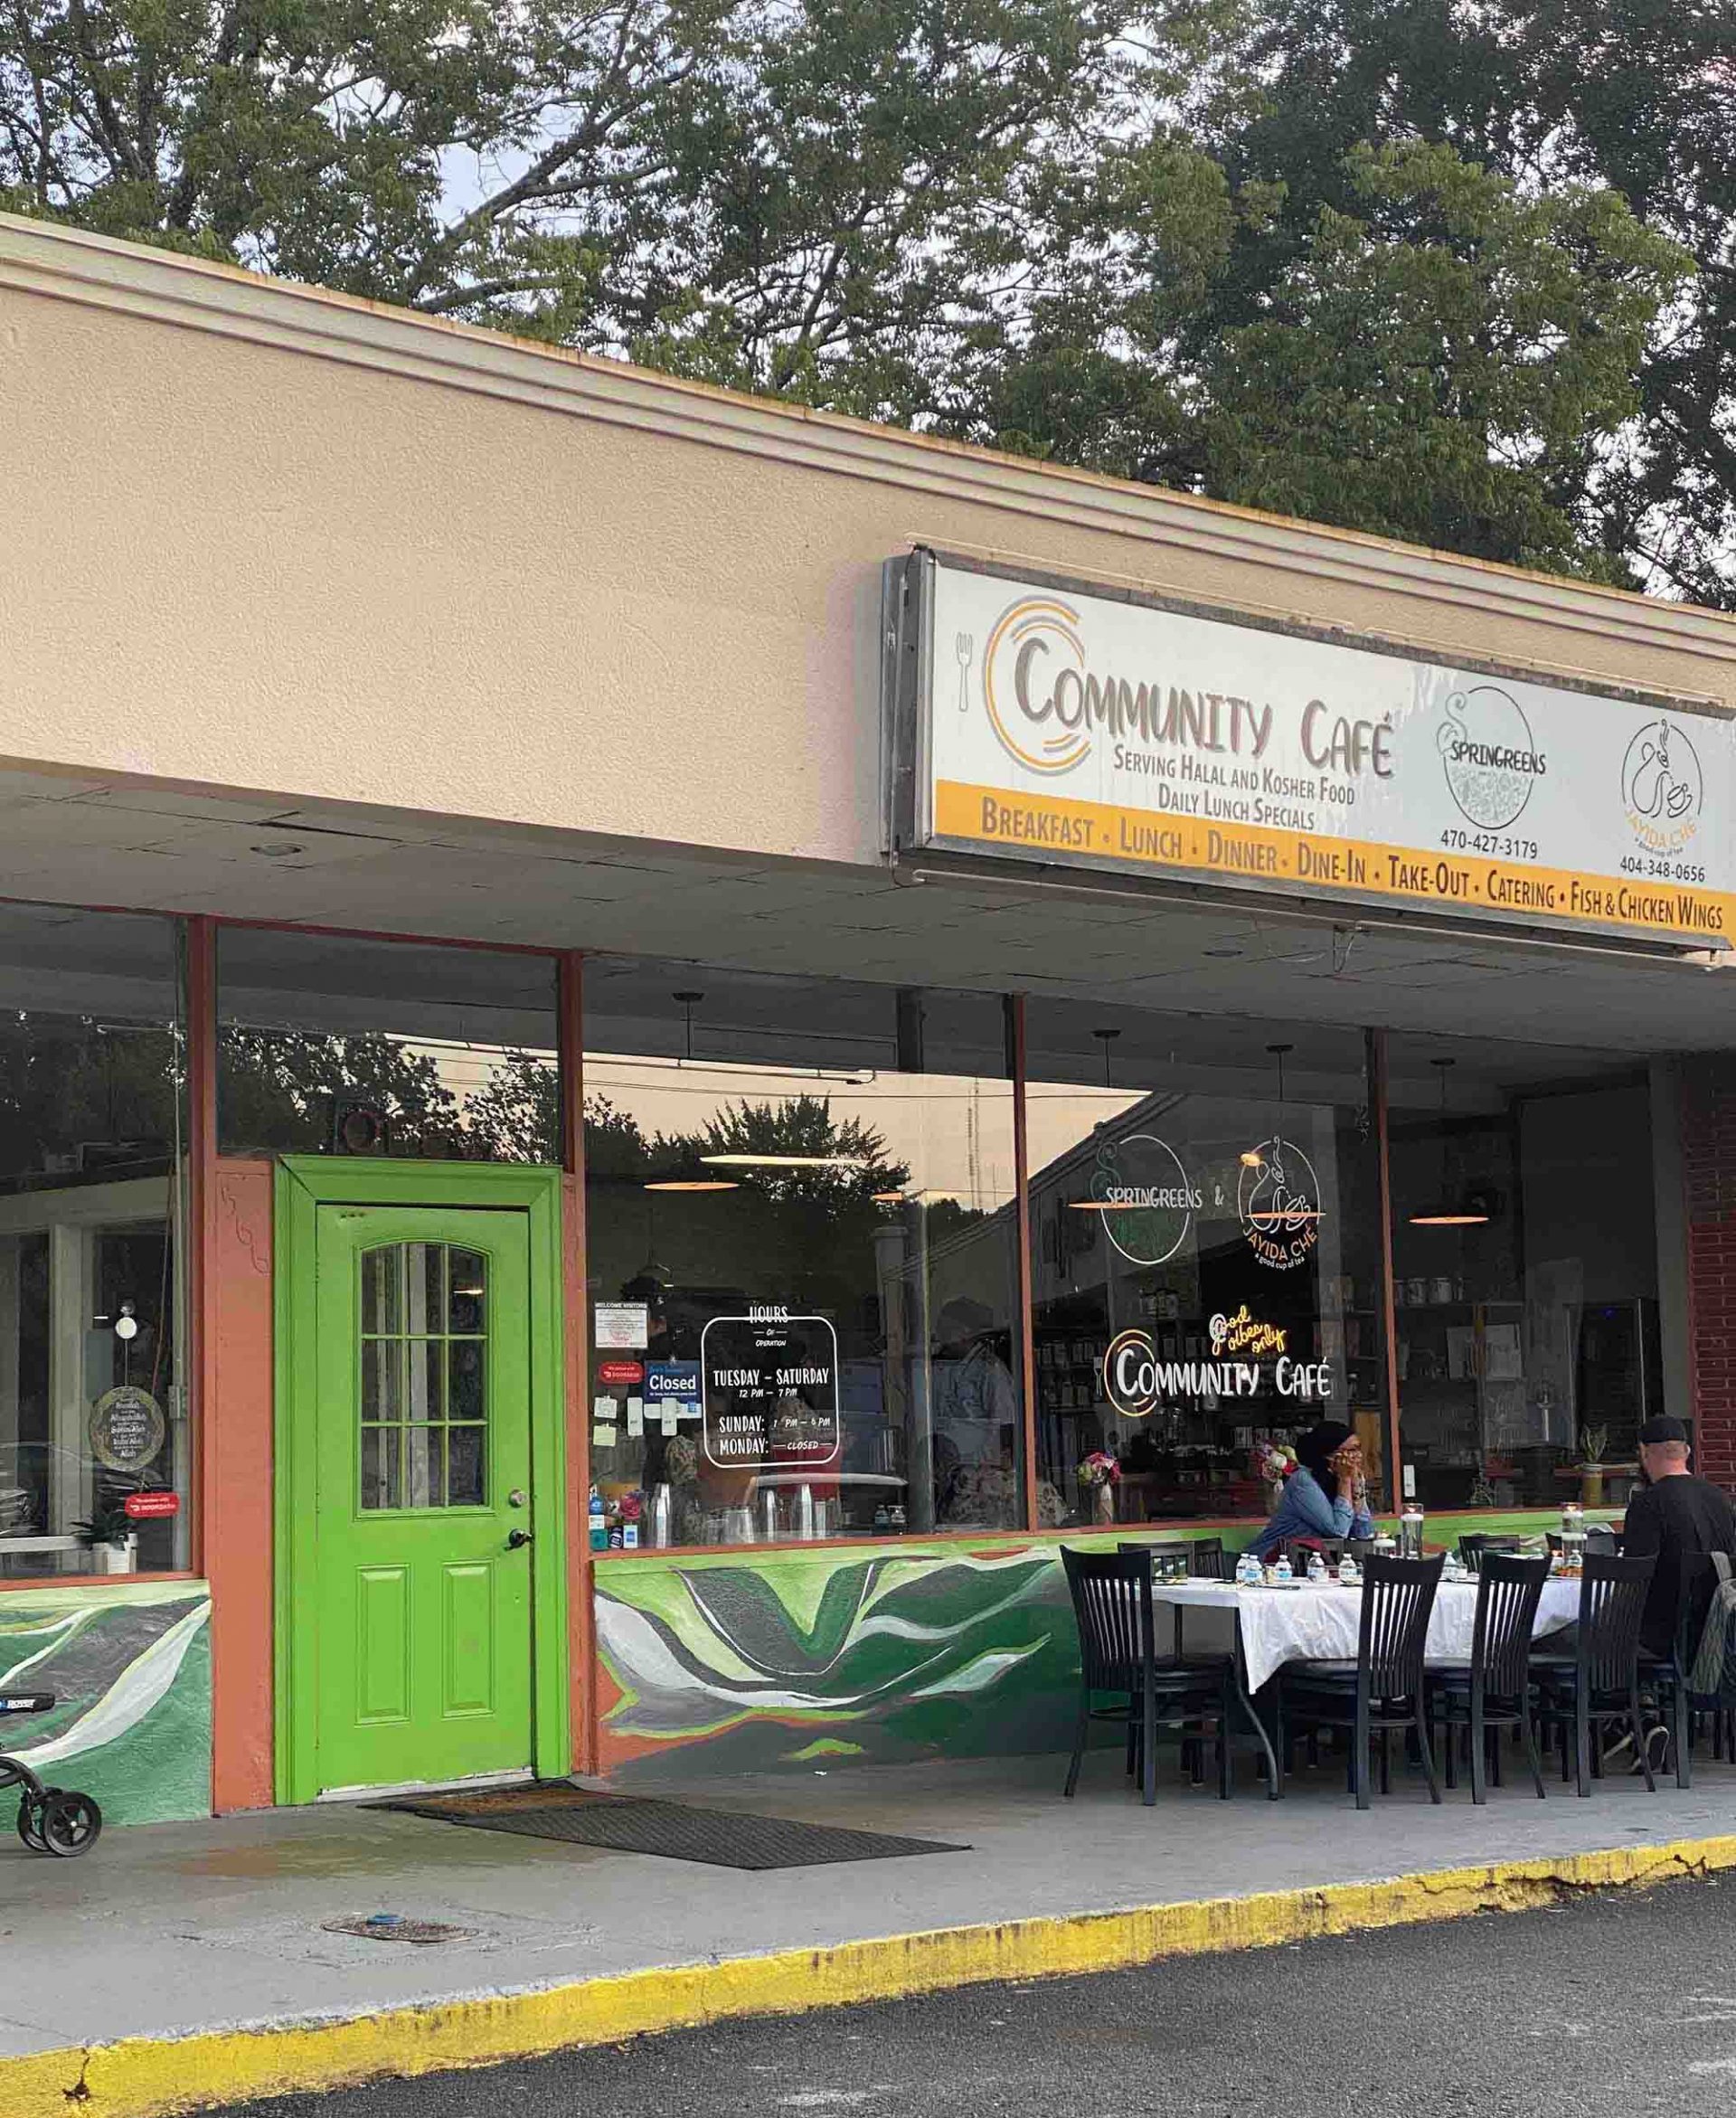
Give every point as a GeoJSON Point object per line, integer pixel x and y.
{"type": "Point", "coordinates": [1042, 824]}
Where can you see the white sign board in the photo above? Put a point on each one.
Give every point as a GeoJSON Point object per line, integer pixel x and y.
{"type": "Point", "coordinates": [1060, 727]}
{"type": "Point", "coordinates": [621, 1327]}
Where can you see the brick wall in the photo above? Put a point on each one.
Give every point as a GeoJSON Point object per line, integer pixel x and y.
{"type": "Point", "coordinates": [1709, 1160]}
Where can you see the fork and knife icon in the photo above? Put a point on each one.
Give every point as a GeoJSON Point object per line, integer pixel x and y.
{"type": "Point", "coordinates": [964, 647]}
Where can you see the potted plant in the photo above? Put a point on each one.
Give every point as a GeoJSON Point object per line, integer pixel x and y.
{"type": "Point", "coordinates": [1593, 1442]}
{"type": "Point", "coordinates": [113, 1538]}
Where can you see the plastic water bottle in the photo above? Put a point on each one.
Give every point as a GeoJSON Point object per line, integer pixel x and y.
{"type": "Point", "coordinates": [1316, 1568]}
{"type": "Point", "coordinates": [1282, 1571]}
{"type": "Point", "coordinates": [1248, 1574]}
{"type": "Point", "coordinates": [1573, 1538]}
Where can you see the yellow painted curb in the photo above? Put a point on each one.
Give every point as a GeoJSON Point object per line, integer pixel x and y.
{"type": "Point", "coordinates": [149, 2078]}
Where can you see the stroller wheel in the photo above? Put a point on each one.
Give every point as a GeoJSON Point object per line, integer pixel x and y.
{"type": "Point", "coordinates": [30, 1823]}
{"type": "Point", "coordinates": [70, 1824]}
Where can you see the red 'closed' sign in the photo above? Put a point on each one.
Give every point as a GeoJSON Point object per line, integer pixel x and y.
{"type": "Point", "coordinates": [621, 1371]}
{"type": "Point", "coordinates": [147, 1506]}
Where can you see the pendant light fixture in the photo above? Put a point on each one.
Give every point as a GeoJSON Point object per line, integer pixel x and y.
{"type": "Point", "coordinates": [1448, 1211]}
{"type": "Point", "coordinates": [690, 1176]}
{"type": "Point", "coordinates": [1269, 1158]}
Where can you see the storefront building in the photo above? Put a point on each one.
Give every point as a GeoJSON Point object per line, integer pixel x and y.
{"type": "Point", "coordinates": [633, 1022]}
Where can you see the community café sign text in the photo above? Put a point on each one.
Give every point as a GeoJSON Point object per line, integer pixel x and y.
{"type": "Point", "coordinates": [1086, 729]}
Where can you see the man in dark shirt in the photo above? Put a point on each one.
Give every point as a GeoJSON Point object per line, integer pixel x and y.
{"type": "Point", "coordinates": [1673, 1514]}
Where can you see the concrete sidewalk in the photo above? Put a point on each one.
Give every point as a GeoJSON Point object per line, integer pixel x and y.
{"type": "Point", "coordinates": [213, 1932]}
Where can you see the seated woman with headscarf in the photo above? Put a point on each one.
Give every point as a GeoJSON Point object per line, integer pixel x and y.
{"type": "Point", "coordinates": [1325, 1496]}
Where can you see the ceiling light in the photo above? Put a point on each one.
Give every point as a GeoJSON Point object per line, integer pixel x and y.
{"type": "Point", "coordinates": [786, 1161]}
{"type": "Point", "coordinates": [276, 852]}
{"type": "Point", "coordinates": [1251, 1158]}
{"type": "Point", "coordinates": [689, 1176]}
{"type": "Point", "coordinates": [1446, 1210]}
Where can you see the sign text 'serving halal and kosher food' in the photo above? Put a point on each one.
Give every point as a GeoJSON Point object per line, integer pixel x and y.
{"type": "Point", "coordinates": [1097, 732]}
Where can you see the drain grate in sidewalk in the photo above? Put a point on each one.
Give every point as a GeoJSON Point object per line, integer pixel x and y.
{"type": "Point", "coordinates": [391, 1926]}
{"type": "Point", "coordinates": [632, 1824]}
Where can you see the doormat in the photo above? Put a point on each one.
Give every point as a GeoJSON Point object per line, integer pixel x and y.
{"type": "Point", "coordinates": [628, 1823]}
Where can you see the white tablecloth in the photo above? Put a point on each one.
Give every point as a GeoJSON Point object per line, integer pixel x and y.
{"type": "Point", "coordinates": [1307, 1624]}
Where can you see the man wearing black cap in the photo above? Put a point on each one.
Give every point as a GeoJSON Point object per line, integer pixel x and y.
{"type": "Point", "coordinates": [1671, 1514]}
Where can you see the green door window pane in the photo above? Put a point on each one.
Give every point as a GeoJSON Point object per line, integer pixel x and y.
{"type": "Point", "coordinates": [382, 1307]}
{"type": "Point", "coordinates": [418, 1372]}
{"type": "Point", "coordinates": [466, 1290]}
{"type": "Point", "coordinates": [380, 1458]}
{"type": "Point", "coordinates": [466, 1482]}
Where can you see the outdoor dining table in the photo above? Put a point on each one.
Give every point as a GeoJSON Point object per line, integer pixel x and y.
{"type": "Point", "coordinates": [1312, 1621]}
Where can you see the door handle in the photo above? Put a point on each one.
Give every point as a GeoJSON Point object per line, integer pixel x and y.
{"type": "Point", "coordinates": [517, 1539]}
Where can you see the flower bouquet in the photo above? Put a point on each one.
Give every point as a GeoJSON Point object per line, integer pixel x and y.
{"type": "Point", "coordinates": [1100, 1474]}
{"type": "Point", "coordinates": [1273, 1463]}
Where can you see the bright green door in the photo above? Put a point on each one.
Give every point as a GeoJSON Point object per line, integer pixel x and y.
{"type": "Point", "coordinates": [421, 1592]}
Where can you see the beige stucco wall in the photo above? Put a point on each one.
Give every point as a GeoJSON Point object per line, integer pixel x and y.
{"type": "Point", "coordinates": [260, 538]}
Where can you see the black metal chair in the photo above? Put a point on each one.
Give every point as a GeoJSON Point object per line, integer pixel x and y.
{"type": "Point", "coordinates": [1474, 1544]}
{"type": "Point", "coordinates": [1598, 1682]}
{"type": "Point", "coordinates": [1494, 1691]}
{"type": "Point", "coordinates": [1663, 1678]}
{"type": "Point", "coordinates": [1385, 1687]}
{"type": "Point", "coordinates": [1202, 1556]}
{"type": "Point", "coordinates": [1112, 1603]}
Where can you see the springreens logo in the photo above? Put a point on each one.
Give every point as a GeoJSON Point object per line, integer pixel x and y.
{"type": "Point", "coordinates": [1489, 755]}
{"type": "Point", "coordinates": [1146, 1197]}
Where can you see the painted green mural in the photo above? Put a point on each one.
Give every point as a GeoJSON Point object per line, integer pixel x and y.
{"type": "Point", "coordinates": [783, 1659]}
{"type": "Point", "coordinates": [882, 1656]}
{"type": "Point", "coordinates": [130, 1669]}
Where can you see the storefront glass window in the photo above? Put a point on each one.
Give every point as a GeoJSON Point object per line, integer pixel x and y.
{"type": "Point", "coordinates": [94, 1454]}
{"type": "Point", "coordinates": [801, 1240]}
{"type": "Point", "coordinates": [334, 1045]}
{"type": "Point", "coordinates": [1525, 1271]}
{"type": "Point", "coordinates": [1206, 1264]}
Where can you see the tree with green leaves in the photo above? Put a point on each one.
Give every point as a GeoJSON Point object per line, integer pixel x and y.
{"type": "Point", "coordinates": [1448, 363]}
{"type": "Point", "coordinates": [1635, 98]}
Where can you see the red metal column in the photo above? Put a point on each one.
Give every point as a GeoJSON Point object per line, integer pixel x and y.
{"type": "Point", "coordinates": [201, 1161]}
{"type": "Point", "coordinates": [1028, 1321]}
{"type": "Point", "coordinates": [581, 1572]}
{"type": "Point", "coordinates": [1389, 1304]}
